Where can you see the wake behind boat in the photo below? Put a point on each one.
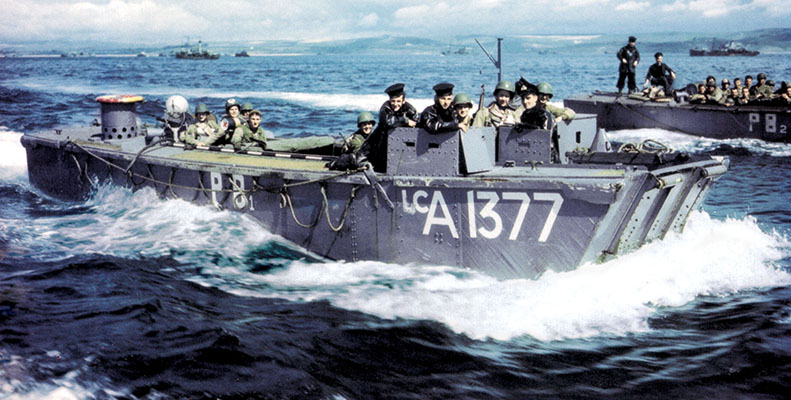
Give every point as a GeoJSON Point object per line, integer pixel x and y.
{"type": "Point", "coordinates": [511, 202]}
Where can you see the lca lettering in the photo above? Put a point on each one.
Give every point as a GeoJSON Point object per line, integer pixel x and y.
{"type": "Point", "coordinates": [437, 212]}
{"type": "Point", "coordinates": [437, 204]}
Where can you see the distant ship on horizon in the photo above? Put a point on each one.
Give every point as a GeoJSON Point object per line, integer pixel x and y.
{"type": "Point", "coordinates": [730, 48]}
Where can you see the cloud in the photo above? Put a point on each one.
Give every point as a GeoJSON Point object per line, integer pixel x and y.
{"type": "Point", "coordinates": [155, 21]}
{"type": "Point", "coordinates": [369, 20]}
{"type": "Point", "coordinates": [632, 6]}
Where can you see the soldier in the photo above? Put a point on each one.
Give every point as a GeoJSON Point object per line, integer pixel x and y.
{"type": "Point", "coordinates": [462, 104]}
{"type": "Point", "coordinates": [396, 111]}
{"type": "Point", "coordinates": [748, 82]}
{"type": "Point", "coordinates": [660, 74]}
{"type": "Point", "coordinates": [365, 125]}
{"type": "Point", "coordinates": [558, 113]}
{"type": "Point", "coordinates": [700, 96]}
{"type": "Point", "coordinates": [713, 94]}
{"type": "Point", "coordinates": [761, 90]}
{"type": "Point", "coordinates": [228, 123]}
{"type": "Point", "coordinates": [250, 134]}
{"type": "Point", "coordinates": [629, 57]}
{"type": "Point", "coordinates": [438, 117]}
{"type": "Point", "coordinates": [201, 129]}
{"type": "Point", "coordinates": [736, 97]}
{"type": "Point", "coordinates": [746, 94]}
{"type": "Point", "coordinates": [498, 112]}
{"type": "Point", "coordinates": [245, 110]}
{"type": "Point", "coordinates": [712, 80]}
{"type": "Point", "coordinates": [725, 86]}
{"type": "Point", "coordinates": [737, 83]}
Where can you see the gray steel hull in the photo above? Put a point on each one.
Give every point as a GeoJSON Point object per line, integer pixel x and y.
{"type": "Point", "coordinates": [711, 121]}
{"type": "Point", "coordinates": [507, 222]}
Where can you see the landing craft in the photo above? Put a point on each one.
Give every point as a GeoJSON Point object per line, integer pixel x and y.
{"type": "Point", "coordinates": [769, 121]}
{"type": "Point", "coordinates": [502, 202]}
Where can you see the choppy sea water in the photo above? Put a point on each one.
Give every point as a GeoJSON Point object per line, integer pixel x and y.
{"type": "Point", "coordinates": [127, 295]}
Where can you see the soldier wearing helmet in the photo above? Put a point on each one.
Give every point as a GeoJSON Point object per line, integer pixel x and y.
{"type": "Point", "coordinates": [761, 90]}
{"type": "Point", "coordinates": [439, 117]}
{"type": "Point", "coordinates": [462, 104]}
{"type": "Point", "coordinates": [228, 123]}
{"type": "Point", "coordinates": [365, 125]}
{"type": "Point", "coordinates": [199, 131]}
{"type": "Point", "coordinates": [498, 112]}
{"type": "Point", "coordinates": [559, 113]}
{"type": "Point", "coordinates": [250, 135]}
{"type": "Point", "coordinates": [245, 110]}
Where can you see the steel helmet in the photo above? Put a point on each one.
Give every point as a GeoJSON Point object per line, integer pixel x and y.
{"type": "Point", "coordinates": [230, 103]}
{"type": "Point", "coordinates": [364, 117]}
{"type": "Point", "coordinates": [462, 98]}
{"type": "Point", "coordinates": [176, 105]}
{"type": "Point", "coordinates": [505, 85]}
{"type": "Point", "coordinates": [762, 76]}
{"type": "Point", "coordinates": [247, 107]}
{"type": "Point", "coordinates": [545, 88]}
{"type": "Point", "coordinates": [201, 108]}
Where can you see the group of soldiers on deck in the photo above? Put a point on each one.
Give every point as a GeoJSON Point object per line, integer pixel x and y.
{"type": "Point", "coordinates": [761, 93]}
{"type": "Point", "coordinates": [241, 124]}
{"type": "Point", "coordinates": [451, 113]}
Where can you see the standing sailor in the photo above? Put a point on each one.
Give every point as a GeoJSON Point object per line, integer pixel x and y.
{"type": "Point", "coordinates": [438, 117]}
{"type": "Point", "coordinates": [629, 57]}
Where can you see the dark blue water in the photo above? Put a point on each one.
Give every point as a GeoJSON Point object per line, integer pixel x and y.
{"type": "Point", "coordinates": [131, 296]}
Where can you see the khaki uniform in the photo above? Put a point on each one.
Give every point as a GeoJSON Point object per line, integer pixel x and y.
{"type": "Point", "coordinates": [355, 142]}
{"type": "Point", "coordinates": [566, 114]}
{"type": "Point", "coordinates": [493, 115]}
{"type": "Point", "coordinates": [245, 138]}
{"type": "Point", "coordinates": [198, 132]}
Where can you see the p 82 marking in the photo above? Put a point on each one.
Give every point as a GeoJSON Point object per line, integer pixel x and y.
{"type": "Point", "coordinates": [770, 123]}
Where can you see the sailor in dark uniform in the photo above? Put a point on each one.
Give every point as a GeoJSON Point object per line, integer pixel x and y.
{"type": "Point", "coordinates": [438, 117]}
{"type": "Point", "coordinates": [660, 74]}
{"type": "Point", "coordinates": [396, 111]}
{"type": "Point", "coordinates": [629, 57]}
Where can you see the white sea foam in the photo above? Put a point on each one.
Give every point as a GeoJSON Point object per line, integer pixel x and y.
{"type": "Point", "coordinates": [712, 258]}
{"type": "Point", "coordinates": [358, 102]}
{"type": "Point", "coordinates": [13, 160]}
{"type": "Point", "coordinates": [690, 143]}
{"type": "Point", "coordinates": [129, 224]}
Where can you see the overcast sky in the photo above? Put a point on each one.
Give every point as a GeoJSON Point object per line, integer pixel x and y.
{"type": "Point", "coordinates": [170, 22]}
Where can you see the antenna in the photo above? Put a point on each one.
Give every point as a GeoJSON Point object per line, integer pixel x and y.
{"type": "Point", "coordinates": [498, 63]}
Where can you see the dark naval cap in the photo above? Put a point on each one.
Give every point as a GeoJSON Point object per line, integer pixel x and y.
{"type": "Point", "coordinates": [396, 89]}
{"type": "Point", "coordinates": [632, 39]}
{"type": "Point", "coordinates": [443, 89]}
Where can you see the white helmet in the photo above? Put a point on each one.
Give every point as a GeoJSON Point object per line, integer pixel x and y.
{"type": "Point", "coordinates": [176, 105]}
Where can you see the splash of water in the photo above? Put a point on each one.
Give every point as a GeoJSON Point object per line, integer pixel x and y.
{"type": "Point", "coordinates": [711, 258]}
{"type": "Point", "coordinates": [696, 144]}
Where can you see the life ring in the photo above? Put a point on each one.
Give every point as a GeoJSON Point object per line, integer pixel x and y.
{"type": "Point", "coordinates": [119, 98]}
